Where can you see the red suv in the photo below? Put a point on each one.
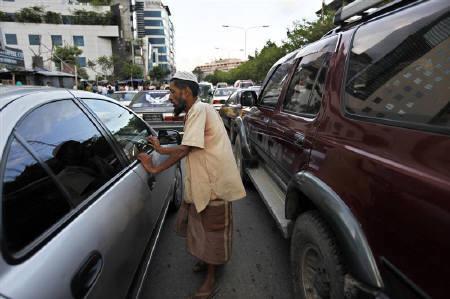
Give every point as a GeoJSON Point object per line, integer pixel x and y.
{"type": "Point", "coordinates": [349, 147]}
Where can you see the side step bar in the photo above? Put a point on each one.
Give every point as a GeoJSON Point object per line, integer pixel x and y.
{"type": "Point", "coordinates": [272, 196]}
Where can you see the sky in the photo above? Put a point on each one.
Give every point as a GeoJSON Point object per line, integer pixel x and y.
{"type": "Point", "coordinates": [199, 31]}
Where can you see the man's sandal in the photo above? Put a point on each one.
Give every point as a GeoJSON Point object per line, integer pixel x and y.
{"type": "Point", "coordinates": [206, 295]}
{"type": "Point", "coordinates": [200, 266]}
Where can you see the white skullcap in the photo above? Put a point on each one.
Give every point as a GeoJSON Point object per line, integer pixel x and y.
{"type": "Point", "coordinates": [186, 76]}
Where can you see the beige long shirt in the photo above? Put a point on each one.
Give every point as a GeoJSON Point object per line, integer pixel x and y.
{"type": "Point", "coordinates": [210, 170]}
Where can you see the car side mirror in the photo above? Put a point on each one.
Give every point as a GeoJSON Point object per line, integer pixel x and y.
{"type": "Point", "coordinates": [248, 98]}
{"type": "Point", "coordinates": [169, 137]}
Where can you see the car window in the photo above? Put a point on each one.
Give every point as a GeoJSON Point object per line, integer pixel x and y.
{"type": "Point", "coordinates": [402, 77]}
{"type": "Point", "coordinates": [232, 99]}
{"type": "Point", "coordinates": [71, 146]}
{"type": "Point", "coordinates": [151, 99]}
{"type": "Point", "coordinates": [129, 131]}
{"type": "Point", "coordinates": [303, 96]}
{"type": "Point", "coordinates": [31, 201]}
{"type": "Point", "coordinates": [275, 84]}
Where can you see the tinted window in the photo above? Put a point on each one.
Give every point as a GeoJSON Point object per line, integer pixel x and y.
{"type": "Point", "coordinates": [303, 96]}
{"type": "Point", "coordinates": [11, 39]}
{"type": "Point", "coordinates": [153, 23]}
{"type": "Point", "coordinates": [275, 85]}
{"type": "Point", "coordinates": [78, 40]}
{"type": "Point", "coordinates": [232, 99]}
{"type": "Point", "coordinates": [154, 31]}
{"type": "Point", "coordinates": [56, 40]}
{"type": "Point", "coordinates": [402, 74]}
{"type": "Point", "coordinates": [32, 202]}
{"type": "Point", "coordinates": [156, 40]}
{"type": "Point", "coordinates": [129, 131]}
{"type": "Point", "coordinates": [34, 39]}
{"type": "Point", "coordinates": [152, 13]}
{"type": "Point", "coordinates": [71, 146]}
{"type": "Point", "coordinates": [81, 61]}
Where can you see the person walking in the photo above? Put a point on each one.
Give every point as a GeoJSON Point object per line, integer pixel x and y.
{"type": "Point", "coordinates": [212, 180]}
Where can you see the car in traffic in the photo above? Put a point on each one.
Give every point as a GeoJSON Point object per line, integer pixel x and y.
{"type": "Point", "coordinates": [154, 107]}
{"type": "Point", "coordinates": [220, 95]}
{"type": "Point", "coordinates": [205, 92]}
{"type": "Point", "coordinates": [241, 84]}
{"type": "Point", "coordinates": [124, 97]}
{"type": "Point", "coordinates": [222, 85]}
{"type": "Point", "coordinates": [348, 146]}
{"type": "Point", "coordinates": [237, 104]}
{"type": "Point", "coordinates": [80, 215]}
{"type": "Point", "coordinates": [256, 88]}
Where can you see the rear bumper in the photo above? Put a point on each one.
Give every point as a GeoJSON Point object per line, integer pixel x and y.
{"type": "Point", "coordinates": [167, 125]}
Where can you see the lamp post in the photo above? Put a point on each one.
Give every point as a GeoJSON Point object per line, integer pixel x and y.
{"type": "Point", "coordinates": [245, 29]}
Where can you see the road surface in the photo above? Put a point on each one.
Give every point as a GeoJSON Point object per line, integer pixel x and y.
{"type": "Point", "coordinates": [259, 267]}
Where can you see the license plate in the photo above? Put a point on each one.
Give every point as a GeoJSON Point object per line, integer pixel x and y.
{"type": "Point", "coordinates": [153, 117]}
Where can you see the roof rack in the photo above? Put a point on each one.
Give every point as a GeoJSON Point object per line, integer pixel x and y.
{"type": "Point", "coordinates": [357, 8]}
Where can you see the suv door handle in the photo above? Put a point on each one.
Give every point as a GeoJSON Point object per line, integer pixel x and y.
{"type": "Point", "coordinates": [299, 138]}
{"type": "Point", "coordinates": [87, 275]}
{"type": "Point", "coordinates": [151, 181]}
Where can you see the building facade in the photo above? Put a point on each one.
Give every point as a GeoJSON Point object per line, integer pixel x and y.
{"type": "Point", "coordinates": [219, 65]}
{"type": "Point", "coordinates": [37, 40]}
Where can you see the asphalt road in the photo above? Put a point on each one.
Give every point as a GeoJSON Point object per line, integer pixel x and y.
{"type": "Point", "coordinates": [259, 267]}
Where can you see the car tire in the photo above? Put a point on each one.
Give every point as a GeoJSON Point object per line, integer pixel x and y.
{"type": "Point", "coordinates": [240, 163]}
{"type": "Point", "coordinates": [178, 191]}
{"type": "Point", "coordinates": [316, 261]}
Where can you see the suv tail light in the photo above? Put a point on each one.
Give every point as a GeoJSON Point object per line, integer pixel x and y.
{"type": "Point", "coordinates": [171, 117]}
{"type": "Point", "coordinates": [217, 102]}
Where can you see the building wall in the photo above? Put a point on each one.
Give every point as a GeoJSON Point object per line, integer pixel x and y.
{"type": "Point", "coordinates": [97, 40]}
{"type": "Point", "coordinates": [220, 65]}
{"type": "Point", "coordinates": [65, 7]}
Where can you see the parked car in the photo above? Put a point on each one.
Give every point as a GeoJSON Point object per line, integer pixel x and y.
{"type": "Point", "coordinates": [349, 146]}
{"type": "Point", "coordinates": [156, 109]}
{"type": "Point", "coordinates": [220, 96]}
{"type": "Point", "coordinates": [124, 97]}
{"type": "Point", "coordinates": [236, 105]}
{"type": "Point", "coordinates": [78, 210]}
{"type": "Point", "coordinates": [243, 84]}
{"type": "Point", "coordinates": [221, 85]}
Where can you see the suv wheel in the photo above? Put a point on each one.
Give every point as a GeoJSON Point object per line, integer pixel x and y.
{"type": "Point", "coordinates": [237, 151]}
{"type": "Point", "coordinates": [178, 193]}
{"type": "Point", "coordinates": [316, 262]}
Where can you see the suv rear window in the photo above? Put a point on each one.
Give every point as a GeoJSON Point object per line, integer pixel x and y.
{"type": "Point", "coordinates": [399, 72]}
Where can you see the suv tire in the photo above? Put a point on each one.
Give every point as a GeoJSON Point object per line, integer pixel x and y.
{"type": "Point", "coordinates": [237, 151]}
{"type": "Point", "coordinates": [178, 191]}
{"type": "Point", "coordinates": [316, 261]}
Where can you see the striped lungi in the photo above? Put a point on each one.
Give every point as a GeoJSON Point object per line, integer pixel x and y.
{"type": "Point", "coordinates": [208, 233]}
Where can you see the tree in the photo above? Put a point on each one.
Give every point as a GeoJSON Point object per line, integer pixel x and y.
{"type": "Point", "coordinates": [34, 14]}
{"type": "Point", "coordinates": [53, 17]}
{"type": "Point", "coordinates": [199, 73]}
{"type": "Point", "coordinates": [131, 70]}
{"type": "Point", "coordinates": [68, 54]}
{"type": "Point", "coordinates": [158, 73]}
{"type": "Point", "coordinates": [4, 17]}
{"type": "Point", "coordinates": [82, 73]}
{"type": "Point", "coordinates": [106, 64]}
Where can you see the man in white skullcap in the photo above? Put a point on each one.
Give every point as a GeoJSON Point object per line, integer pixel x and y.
{"type": "Point", "coordinates": [212, 180]}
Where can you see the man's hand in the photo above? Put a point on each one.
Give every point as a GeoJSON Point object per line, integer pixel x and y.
{"type": "Point", "coordinates": [154, 141]}
{"type": "Point", "coordinates": [147, 162]}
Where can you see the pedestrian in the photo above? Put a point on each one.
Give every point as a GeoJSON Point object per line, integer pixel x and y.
{"type": "Point", "coordinates": [95, 88]}
{"type": "Point", "coordinates": [127, 87]}
{"type": "Point", "coordinates": [104, 90]}
{"type": "Point", "coordinates": [212, 180]}
{"type": "Point", "coordinates": [110, 89]}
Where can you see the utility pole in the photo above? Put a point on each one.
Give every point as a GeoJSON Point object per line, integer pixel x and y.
{"type": "Point", "coordinates": [245, 34]}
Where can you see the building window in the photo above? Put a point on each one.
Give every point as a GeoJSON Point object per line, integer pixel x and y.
{"type": "Point", "coordinates": [56, 40]}
{"type": "Point", "coordinates": [161, 50]}
{"type": "Point", "coordinates": [154, 31]}
{"type": "Point", "coordinates": [152, 13]}
{"type": "Point", "coordinates": [34, 39]}
{"type": "Point", "coordinates": [163, 58]}
{"type": "Point", "coordinates": [78, 40]}
{"type": "Point", "coordinates": [153, 23]}
{"type": "Point", "coordinates": [81, 61]}
{"type": "Point", "coordinates": [157, 41]}
{"type": "Point", "coordinates": [11, 39]}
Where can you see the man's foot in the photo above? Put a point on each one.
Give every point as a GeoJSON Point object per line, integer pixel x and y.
{"type": "Point", "coordinates": [205, 294]}
{"type": "Point", "coordinates": [200, 266]}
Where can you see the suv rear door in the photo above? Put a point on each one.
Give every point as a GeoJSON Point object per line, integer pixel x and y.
{"type": "Point", "coordinates": [73, 225]}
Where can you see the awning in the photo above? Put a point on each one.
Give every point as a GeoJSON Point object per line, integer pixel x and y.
{"type": "Point", "coordinates": [54, 74]}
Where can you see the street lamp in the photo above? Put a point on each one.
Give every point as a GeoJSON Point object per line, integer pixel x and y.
{"type": "Point", "coordinates": [245, 31]}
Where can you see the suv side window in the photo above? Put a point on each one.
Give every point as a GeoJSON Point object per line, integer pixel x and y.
{"type": "Point", "coordinates": [304, 94]}
{"type": "Point", "coordinates": [71, 146]}
{"type": "Point", "coordinates": [129, 130]}
{"type": "Point", "coordinates": [272, 91]}
{"type": "Point", "coordinates": [402, 76]}
{"type": "Point", "coordinates": [232, 99]}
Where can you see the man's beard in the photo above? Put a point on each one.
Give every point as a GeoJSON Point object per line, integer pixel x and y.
{"type": "Point", "coordinates": [179, 108]}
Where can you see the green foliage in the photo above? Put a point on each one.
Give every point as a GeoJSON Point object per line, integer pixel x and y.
{"type": "Point", "coordinates": [4, 17]}
{"type": "Point", "coordinates": [83, 17]}
{"type": "Point", "coordinates": [158, 73]}
{"type": "Point", "coordinates": [68, 54]}
{"type": "Point", "coordinates": [132, 70]}
{"type": "Point", "coordinates": [82, 73]}
{"type": "Point", "coordinates": [51, 17]}
{"type": "Point", "coordinates": [96, 2]}
{"type": "Point", "coordinates": [34, 14]}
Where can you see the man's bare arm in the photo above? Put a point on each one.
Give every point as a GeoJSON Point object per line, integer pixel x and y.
{"type": "Point", "coordinates": [176, 155]}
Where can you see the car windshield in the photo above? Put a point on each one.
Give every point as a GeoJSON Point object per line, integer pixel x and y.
{"type": "Point", "coordinates": [123, 96]}
{"type": "Point", "coordinates": [151, 99]}
{"type": "Point", "coordinates": [224, 92]}
{"type": "Point", "coordinates": [204, 90]}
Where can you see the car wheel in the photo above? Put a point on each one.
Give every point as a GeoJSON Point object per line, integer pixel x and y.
{"type": "Point", "coordinates": [178, 191]}
{"type": "Point", "coordinates": [316, 261]}
{"type": "Point", "coordinates": [237, 150]}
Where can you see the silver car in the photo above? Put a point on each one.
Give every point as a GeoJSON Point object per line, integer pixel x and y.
{"type": "Point", "coordinates": [80, 215]}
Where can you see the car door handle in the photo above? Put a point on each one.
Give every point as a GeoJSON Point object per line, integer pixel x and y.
{"type": "Point", "coordinates": [87, 275]}
{"type": "Point", "coordinates": [299, 139]}
{"type": "Point", "coordinates": [151, 181]}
